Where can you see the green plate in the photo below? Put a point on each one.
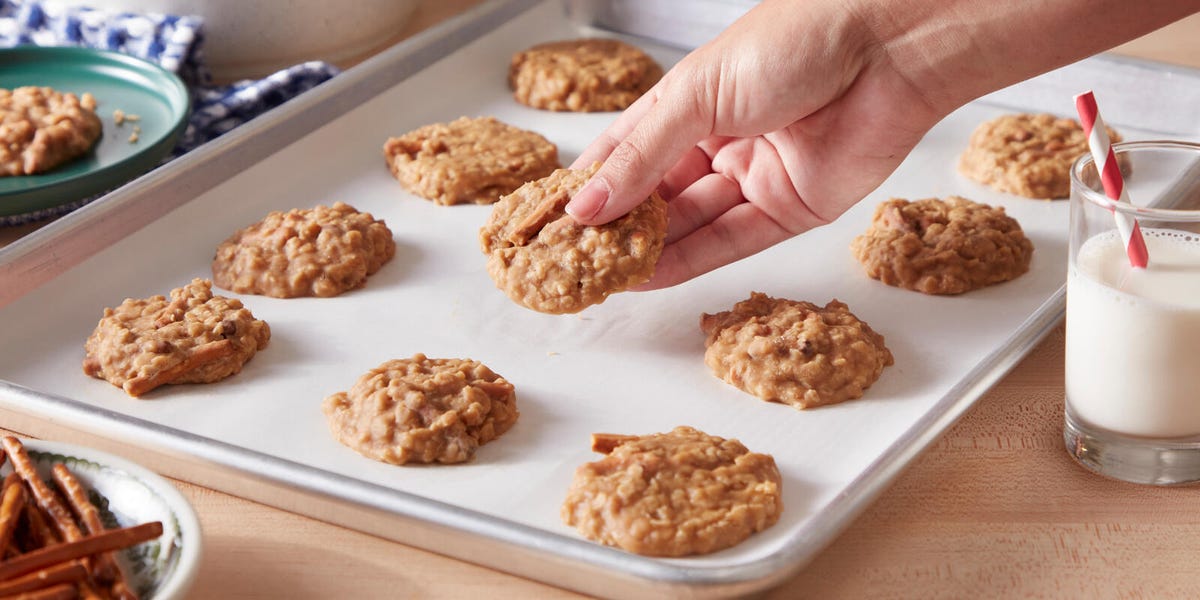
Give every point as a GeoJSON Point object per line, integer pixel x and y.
{"type": "Point", "coordinates": [118, 81]}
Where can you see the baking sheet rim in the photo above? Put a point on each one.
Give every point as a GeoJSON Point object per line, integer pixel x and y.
{"type": "Point", "coordinates": [807, 541]}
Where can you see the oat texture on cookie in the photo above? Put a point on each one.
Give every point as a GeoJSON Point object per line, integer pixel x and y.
{"type": "Point", "coordinates": [422, 410]}
{"type": "Point", "coordinates": [582, 75]}
{"type": "Point", "coordinates": [323, 251]}
{"type": "Point", "coordinates": [42, 128]}
{"type": "Point", "coordinates": [547, 261]}
{"type": "Point", "coordinates": [942, 246]}
{"type": "Point", "coordinates": [468, 161]}
{"type": "Point", "coordinates": [1026, 154]}
{"type": "Point", "coordinates": [794, 352]}
{"type": "Point", "coordinates": [193, 337]}
{"type": "Point", "coordinates": [669, 494]}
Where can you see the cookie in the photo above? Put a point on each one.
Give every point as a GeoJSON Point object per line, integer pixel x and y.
{"type": "Point", "coordinates": [794, 352]}
{"type": "Point", "coordinates": [468, 161]}
{"type": "Point", "coordinates": [195, 337]}
{"type": "Point", "coordinates": [673, 494]}
{"type": "Point", "coordinates": [322, 251]}
{"type": "Point", "coordinates": [585, 75]}
{"type": "Point", "coordinates": [1027, 155]}
{"type": "Point", "coordinates": [41, 128]}
{"type": "Point", "coordinates": [422, 410]}
{"type": "Point", "coordinates": [940, 246]}
{"type": "Point", "coordinates": [545, 260]}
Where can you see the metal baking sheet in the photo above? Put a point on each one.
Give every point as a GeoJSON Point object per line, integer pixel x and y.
{"type": "Point", "coordinates": [631, 365]}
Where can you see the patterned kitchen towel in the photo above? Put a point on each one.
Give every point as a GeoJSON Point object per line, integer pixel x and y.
{"type": "Point", "coordinates": [175, 43]}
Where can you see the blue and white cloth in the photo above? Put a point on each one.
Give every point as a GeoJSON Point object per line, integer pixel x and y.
{"type": "Point", "coordinates": [175, 43]}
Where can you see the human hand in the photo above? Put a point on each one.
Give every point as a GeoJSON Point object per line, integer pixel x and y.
{"type": "Point", "coordinates": [777, 126]}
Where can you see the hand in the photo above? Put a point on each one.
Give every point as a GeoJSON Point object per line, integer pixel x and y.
{"type": "Point", "coordinates": [803, 107]}
{"type": "Point", "coordinates": [777, 126]}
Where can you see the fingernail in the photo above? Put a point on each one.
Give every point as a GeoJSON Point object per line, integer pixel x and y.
{"type": "Point", "coordinates": [589, 201]}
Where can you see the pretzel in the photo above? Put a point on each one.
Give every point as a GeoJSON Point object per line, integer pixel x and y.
{"type": "Point", "coordinates": [64, 573]}
{"type": "Point", "coordinates": [62, 591]}
{"type": "Point", "coordinates": [45, 496]}
{"type": "Point", "coordinates": [197, 357]}
{"type": "Point", "coordinates": [39, 533]}
{"type": "Point", "coordinates": [172, 313]}
{"type": "Point", "coordinates": [12, 501]}
{"type": "Point", "coordinates": [106, 568]}
{"type": "Point", "coordinates": [112, 539]}
{"type": "Point", "coordinates": [543, 214]}
{"type": "Point", "coordinates": [605, 443]}
{"type": "Point", "coordinates": [87, 590]}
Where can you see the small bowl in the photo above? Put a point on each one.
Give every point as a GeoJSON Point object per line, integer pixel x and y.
{"type": "Point", "coordinates": [128, 494]}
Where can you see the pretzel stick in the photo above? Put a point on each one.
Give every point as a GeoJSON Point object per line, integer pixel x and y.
{"type": "Point", "coordinates": [196, 357]}
{"type": "Point", "coordinates": [62, 591]}
{"type": "Point", "coordinates": [10, 510]}
{"type": "Point", "coordinates": [605, 443]}
{"type": "Point", "coordinates": [45, 496]}
{"type": "Point", "coordinates": [13, 479]}
{"type": "Point", "coordinates": [39, 533]}
{"type": "Point", "coordinates": [86, 590]}
{"type": "Point", "coordinates": [550, 209]}
{"type": "Point", "coordinates": [172, 312]}
{"type": "Point", "coordinates": [64, 573]}
{"type": "Point", "coordinates": [105, 568]}
{"type": "Point", "coordinates": [112, 539]}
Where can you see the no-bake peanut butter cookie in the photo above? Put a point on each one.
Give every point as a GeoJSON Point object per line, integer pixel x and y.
{"type": "Point", "coordinates": [422, 410]}
{"type": "Point", "coordinates": [582, 75]}
{"type": "Point", "coordinates": [195, 337]}
{"type": "Point", "coordinates": [938, 246]}
{"type": "Point", "coordinates": [545, 260]}
{"type": "Point", "coordinates": [1028, 155]}
{"type": "Point", "coordinates": [41, 128]}
{"type": "Point", "coordinates": [794, 352]}
{"type": "Point", "coordinates": [322, 251]}
{"type": "Point", "coordinates": [469, 161]}
{"type": "Point", "coordinates": [673, 494]}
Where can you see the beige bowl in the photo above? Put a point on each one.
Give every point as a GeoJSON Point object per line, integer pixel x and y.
{"type": "Point", "coordinates": [253, 38]}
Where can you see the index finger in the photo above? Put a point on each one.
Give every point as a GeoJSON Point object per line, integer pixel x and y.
{"type": "Point", "coordinates": [673, 122]}
{"type": "Point", "coordinates": [616, 131]}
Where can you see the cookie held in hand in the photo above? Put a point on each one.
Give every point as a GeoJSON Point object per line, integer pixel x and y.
{"type": "Point", "coordinates": [547, 261]}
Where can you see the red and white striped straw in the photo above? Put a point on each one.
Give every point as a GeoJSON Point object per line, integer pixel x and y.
{"type": "Point", "coordinates": [1110, 178]}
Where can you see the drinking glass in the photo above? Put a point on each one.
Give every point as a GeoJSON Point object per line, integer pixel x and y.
{"type": "Point", "coordinates": [1133, 335]}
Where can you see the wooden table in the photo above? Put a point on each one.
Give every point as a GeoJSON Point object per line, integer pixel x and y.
{"type": "Point", "coordinates": [995, 508]}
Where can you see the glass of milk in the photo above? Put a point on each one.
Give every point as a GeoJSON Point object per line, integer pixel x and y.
{"type": "Point", "coordinates": [1133, 335]}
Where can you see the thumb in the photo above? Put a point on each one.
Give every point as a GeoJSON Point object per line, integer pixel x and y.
{"type": "Point", "coordinates": [671, 126]}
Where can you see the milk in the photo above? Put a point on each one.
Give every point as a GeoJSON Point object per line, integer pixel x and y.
{"type": "Point", "coordinates": [1133, 336]}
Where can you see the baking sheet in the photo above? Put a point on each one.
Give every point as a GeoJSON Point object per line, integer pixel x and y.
{"type": "Point", "coordinates": [631, 365]}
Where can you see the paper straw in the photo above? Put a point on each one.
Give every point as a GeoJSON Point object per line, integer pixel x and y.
{"type": "Point", "coordinates": [1110, 178]}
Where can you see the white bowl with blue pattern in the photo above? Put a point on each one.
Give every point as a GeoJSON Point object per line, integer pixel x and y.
{"type": "Point", "coordinates": [128, 494]}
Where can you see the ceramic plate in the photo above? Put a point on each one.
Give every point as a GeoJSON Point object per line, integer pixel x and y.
{"type": "Point", "coordinates": [118, 81]}
{"type": "Point", "coordinates": [127, 494]}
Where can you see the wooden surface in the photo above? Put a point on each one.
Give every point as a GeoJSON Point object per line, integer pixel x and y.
{"type": "Point", "coordinates": [995, 508]}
